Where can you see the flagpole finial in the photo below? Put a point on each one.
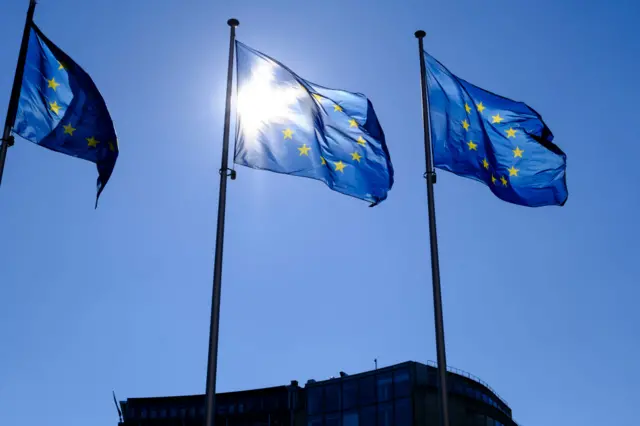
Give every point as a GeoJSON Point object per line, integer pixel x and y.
{"type": "Point", "coordinates": [420, 34]}
{"type": "Point", "coordinates": [233, 22]}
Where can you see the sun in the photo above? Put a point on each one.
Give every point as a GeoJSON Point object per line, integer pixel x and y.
{"type": "Point", "coordinates": [263, 101]}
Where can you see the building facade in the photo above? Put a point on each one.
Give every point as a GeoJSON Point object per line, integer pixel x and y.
{"type": "Point", "coordinates": [404, 394]}
{"type": "Point", "coordinates": [275, 406]}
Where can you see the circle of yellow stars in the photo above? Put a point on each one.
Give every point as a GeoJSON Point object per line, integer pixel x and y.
{"type": "Point", "coordinates": [509, 134]}
{"type": "Point", "coordinates": [54, 107]}
{"type": "Point", "coordinates": [304, 150]}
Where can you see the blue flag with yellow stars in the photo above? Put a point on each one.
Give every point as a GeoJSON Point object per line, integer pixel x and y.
{"type": "Point", "coordinates": [497, 141]}
{"type": "Point", "coordinates": [61, 109]}
{"type": "Point", "coordinates": [289, 125]}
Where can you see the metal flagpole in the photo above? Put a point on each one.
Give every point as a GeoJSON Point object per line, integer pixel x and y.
{"type": "Point", "coordinates": [212, 365]}
{"type": "Point", "coordinates": [430, 175]}
{"type": "Point", "coordinates": [12, 110]}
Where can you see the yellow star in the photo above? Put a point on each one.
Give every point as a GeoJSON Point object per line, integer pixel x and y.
{"type": "Point", "coordinates": [304, 150]}
{"type": "Point", "coordinates": [497, 119]}
{"type": "Point", "coordinates": [493, 179]}
{"type": "Point", "coordinates": [112, 147]}
{"type": "Point", "coordinates": [68, 129]}
{"type": "Point", "coordinates": [361, 141]}
{"type": "Point", "coordinates": [340, 166]}
{"type": "Point", "coordinates": [53, 84]}
{"type": "Point", "coordinates": [318, 97]}
{"type": "Point", "coordinates": [472, 146]}
{"type": "Point", "coordinates": [485, 163]}
{"type": "Point", "coordinates": [517, 152]}
{"type": "Point", "coordinates": [480, 107]}
{"type": "Point", "coordinates": [513, 171]}
{"type": "Point", "coordinates": [54, 107]}
{"type": "Point", "coordinates": [511, 132]}
{"type": "Point", "coordinates": [356, 156]}
{"type": "Point", "coordinates": [503, 180]}
{"type": "Point", "coordinates": [61, 66]}
{"type": "Point", "coordinates": [288, 133]}
{"type": "Point", "coordinates": [353, 123]}
{"type": "Point", "coordinates": [467, 108]}
{"type": "Point", "coordinates": [93, 142]}
{"type": "Point", "coordinates": [465, 124]}
{"type": "Point", "coordinates": [324, 162]}
{"type": "Point", "coordinates": [337, 108]}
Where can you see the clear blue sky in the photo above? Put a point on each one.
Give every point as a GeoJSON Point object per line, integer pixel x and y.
{"type": "Point", "coordinates": [540, 303]}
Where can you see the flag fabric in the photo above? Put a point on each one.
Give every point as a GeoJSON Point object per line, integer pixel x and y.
{"type": "Point", "coordinates": [289, 125]}
{"type": "Point", "coordinates": [60, 108]}
{"type": "Point", "coordinates": [494, 140]}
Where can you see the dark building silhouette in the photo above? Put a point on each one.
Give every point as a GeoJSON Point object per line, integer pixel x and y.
{"type": "Point", "coordinates": [403, 395]}
{"type": "Point", "coordinates": [400, 395]}
{"type": "Point", "coordinates": [276, 406]}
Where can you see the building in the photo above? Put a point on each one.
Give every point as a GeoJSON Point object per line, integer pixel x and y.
{"type": "Point", "coordinates": [403, 395]}
{"type": "Point", "coordinates": [400, 395]}
{"type": "Point", "coordinates": [275, 406]}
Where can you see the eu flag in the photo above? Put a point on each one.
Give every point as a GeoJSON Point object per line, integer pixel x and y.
{"type": "Point", "coordinates": [497, 141]}
{"type": "Point", "coordinates": [289, 125]}
{"type": "Point", "coordinates": [61, 109]}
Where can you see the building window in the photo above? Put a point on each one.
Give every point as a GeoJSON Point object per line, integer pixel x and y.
{"type": "Point", "coordinates": [350, 418]}
{"type": "Point", "coordinates": [201, 411]}
{"type": "Point", "coordinates": [401, 383]}
{"type": "Point", "coordinates": [314, 421]}
{"type": "Point", "coordinates": [456, 386]}
{"type": "Point", "coordinates": [131, 413]}
{"type": "Point", "coordinates": [240, 408]}
{"type": "Point", "coordinates": [232, 408]}
{"type": "Point", "coordinates": [349, 394]}
{"type": "Point", "coordinates": [192, 412]}
{"type": "Point", "coordinates": [163, 413]}
{"type": "Point", "coordinates": [403, 412]}
{"type": "Point", "coordinates": [314, 400]}
{"type": "Point", "coordinates": [246, 405]}
{"type": "Point", "coordinates": [332, 419]}
{"type": "Point", "coordinates": [143, 413]}
{"type": "Point", "coordinates": [153, 414]}
{"type": "Point", "coordinates": [490, 422]}
{"type": "Point", "coordinates": [367, 394]}
{"type": "Point", "coordinates": [385, 414]}
{"type": "Point", "coordinates": [183, 413]}
{"type": "Point", "coordinates": [173, 412]}
{"type": "Point", "coordinates": [368, 416]}
{"type": "Point", "coordinates": [270, 403]}
{"type": "Point", "coordinates": [384, 382]}
{"type": "Point", "coordinates": [432, 378]}
{"type": "Point", "coordinates": [332, 397]}
{"type": "Point", "coordinates": [478, 420]}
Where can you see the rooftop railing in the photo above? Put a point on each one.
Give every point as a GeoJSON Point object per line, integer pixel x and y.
{"type": "Point", "coordinates": [470, 376]}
